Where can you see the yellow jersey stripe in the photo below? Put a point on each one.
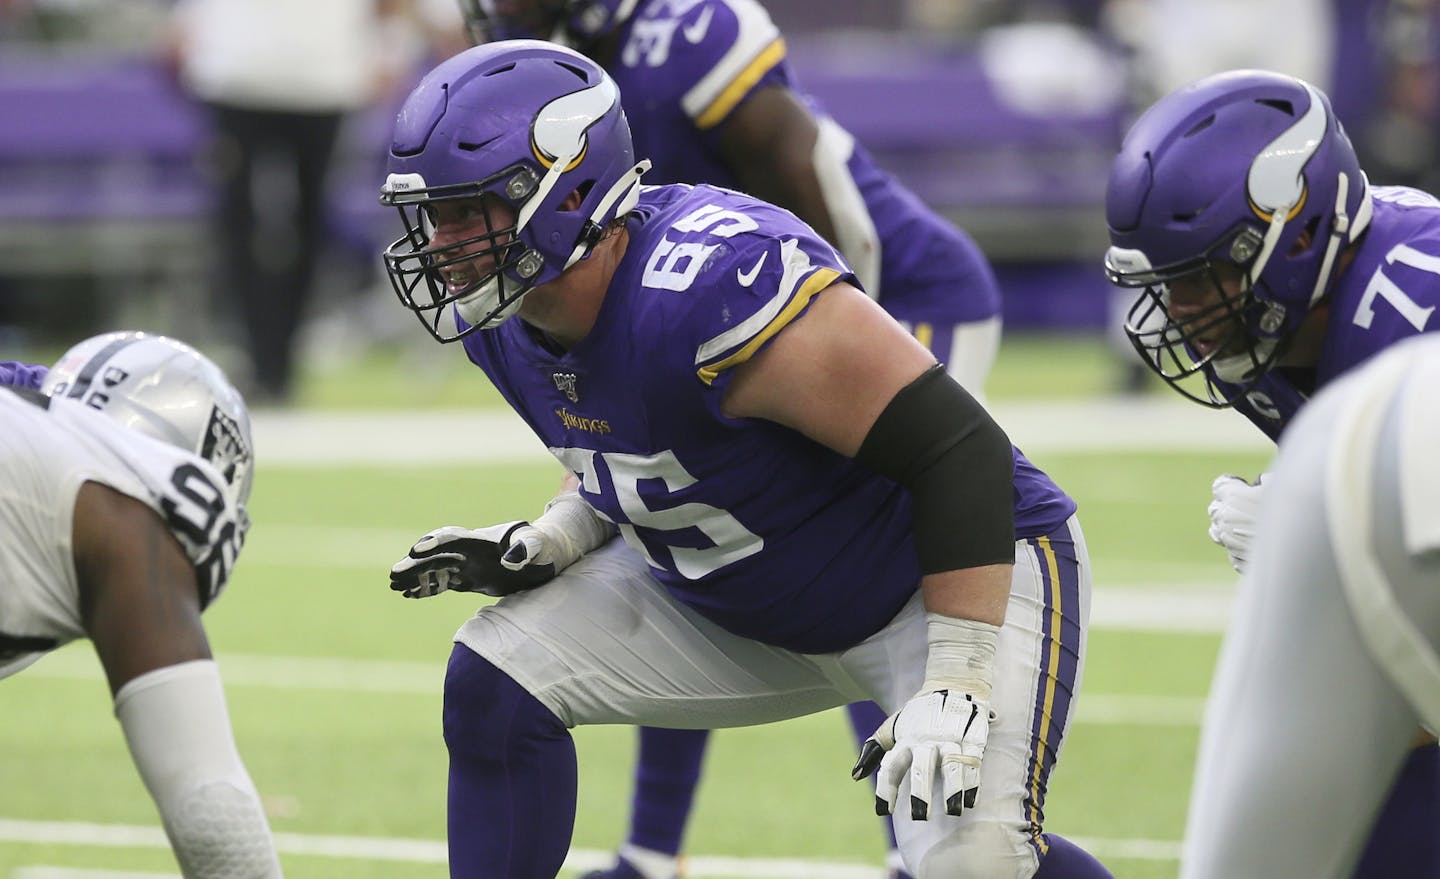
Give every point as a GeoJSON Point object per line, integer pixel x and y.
{"type": "Point", "coordinates": [818, 281]}
{"type": "Point", "coordinates": [740, 86]}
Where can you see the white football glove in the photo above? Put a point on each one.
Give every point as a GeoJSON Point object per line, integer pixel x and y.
{"type": "Point", "coordinates": [1233, 515]}
{"type": "Point", "coordinates": [943, 729]}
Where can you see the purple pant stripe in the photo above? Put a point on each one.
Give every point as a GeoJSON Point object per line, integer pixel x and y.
{"type": "Point", "coordinates": [1059, 663]}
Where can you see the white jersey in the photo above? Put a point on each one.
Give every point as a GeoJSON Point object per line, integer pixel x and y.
{"type": "Point", "coordinates": [48, 450]}
{"type": "Point", "coordinates": [1333, 659]}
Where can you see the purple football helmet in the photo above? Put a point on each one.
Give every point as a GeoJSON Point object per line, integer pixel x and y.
{"type": "Point", "coordinates": [523, 122]}
{"type": "Point", "coordinates": [1247, 175]}
{"type": "Point", "coordinates": [575, 23]}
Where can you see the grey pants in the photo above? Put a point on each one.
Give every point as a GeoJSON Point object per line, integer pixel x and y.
{"type": "Point", "coordinates": [1307, 722]}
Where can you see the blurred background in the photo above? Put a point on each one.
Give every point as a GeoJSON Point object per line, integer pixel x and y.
{"type": "Point", "coordinates": [116, 143]}
{"type": "Point", "coordinates": [133, 195]}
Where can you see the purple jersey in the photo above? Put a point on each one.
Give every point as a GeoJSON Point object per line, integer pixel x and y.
{"type": "Point", "coordinates": [22, 375]}
{"type": "Point", "coordinates": [746, 521]}
{"type": "Point", "coordinates": [1388, 292]}
{"type": "Point", "coordinates": [683, 68]}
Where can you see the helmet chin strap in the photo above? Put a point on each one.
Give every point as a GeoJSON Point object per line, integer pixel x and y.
{"type": "Point", "coordinates": [626, 191]}
{"type": "Point", "coordinates": [1267, 247]}
{"type": "Point", "coordinates": [483, 309]}
{"type": "Point", "coordinates": [1240, 368]}
{"type": "Point", "coordinates": [532, 204]}
{"type": "Point", "coordinates": [1338, 233]}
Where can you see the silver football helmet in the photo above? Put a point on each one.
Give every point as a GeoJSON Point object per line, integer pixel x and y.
{"type": "Point", "coordinates": [164, 389]}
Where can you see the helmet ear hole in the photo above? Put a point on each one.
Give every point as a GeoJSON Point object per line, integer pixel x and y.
{"type": "Point", "coordinates": [1305, 239]}
{"type": "Point", "coordinates": [576, 198]}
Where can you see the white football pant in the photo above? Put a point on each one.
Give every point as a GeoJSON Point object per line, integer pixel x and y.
{"type": "Point", "coordinates": [605, 643]}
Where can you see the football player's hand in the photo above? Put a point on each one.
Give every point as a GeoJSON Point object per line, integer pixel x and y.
{"type": "Point", "coordinates": [942, 731]}
{"type": "Point", "coordinates": [1233, 515]}
{"type": "Point", "coordinates": [462, 560]}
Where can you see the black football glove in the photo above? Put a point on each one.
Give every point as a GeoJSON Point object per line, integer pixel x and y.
{"type": "Point", "coordinates": [462, 560]}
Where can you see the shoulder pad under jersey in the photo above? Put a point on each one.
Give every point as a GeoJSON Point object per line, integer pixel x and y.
{"type": "Point", "coordinates": [746, 268]}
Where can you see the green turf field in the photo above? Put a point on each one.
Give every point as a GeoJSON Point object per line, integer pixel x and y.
{"type": "Point", "coordinates": [334, 686]}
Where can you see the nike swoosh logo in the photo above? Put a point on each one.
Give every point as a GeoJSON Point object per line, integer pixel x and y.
{"type": "Point", "coordinates": [748, 278]}
{"type": "Point", "coordinates": [695, 31]}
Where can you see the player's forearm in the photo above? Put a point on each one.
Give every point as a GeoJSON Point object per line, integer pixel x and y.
{"type": "Point", "coordinates": [769, 144]}
{"type": "Point", "coordinates": [964, 612]}
{"type": "Point", "coordinates": [980, 593]}
{"type": "Point", "coordinates": [178, 730]}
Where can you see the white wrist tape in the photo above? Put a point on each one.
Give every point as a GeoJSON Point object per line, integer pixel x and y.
{"type": "Point", "coordinates": [572, 528]}
{"type": "Point", "coordinates": [178, 730]}
{"type": "Point", "coordinates": [962, 655]}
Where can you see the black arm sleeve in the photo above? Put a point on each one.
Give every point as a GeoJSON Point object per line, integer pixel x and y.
{"type": "Point", "coordinates": [940, 443]}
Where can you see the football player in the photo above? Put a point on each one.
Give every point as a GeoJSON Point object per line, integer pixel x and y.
{"type": "Point", "coordinates": [1332, 663]}
{"type": "Point", "coordinates": [123, 482]}
{"type": "Point", "coordinates": [813, 513]}
{"type": "Point", "coordinates": [712, 98]}
{"type": "Point", "coordinates": [1269, 266]}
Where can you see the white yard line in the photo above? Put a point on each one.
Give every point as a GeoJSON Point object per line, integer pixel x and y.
{"type": "Point", "coordinates": [1198, 609]}
{"type": "Point", "coordinates": [496, 435]}
{"type": "Point", "coordinates": [425, 851]}
{"type": "Point", "coordinates": [46, 871]}
{"type": "Point", "coordinates": [1110, 709]}
{"type": "Point", "coordinates": [426, 679]}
